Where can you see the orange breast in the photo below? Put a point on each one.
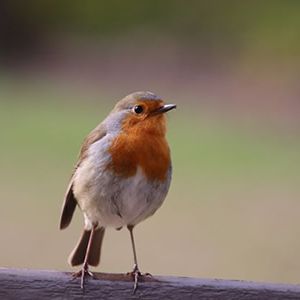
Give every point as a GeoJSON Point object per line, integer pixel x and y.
{"type": "Point", "coordinates": [141, 144]}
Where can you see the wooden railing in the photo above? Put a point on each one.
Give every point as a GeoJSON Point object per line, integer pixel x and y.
{"type": "Point", "coordinates": [41, 284]}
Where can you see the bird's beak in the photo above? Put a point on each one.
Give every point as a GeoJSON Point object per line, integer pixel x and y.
{"type": "Point", "coordinates": [164, 109]}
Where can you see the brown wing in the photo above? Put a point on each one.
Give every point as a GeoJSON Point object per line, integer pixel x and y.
{"type": "Point", "coordinates": [68, 207]}
{"type": "Point", "coordinates": [70, 201]}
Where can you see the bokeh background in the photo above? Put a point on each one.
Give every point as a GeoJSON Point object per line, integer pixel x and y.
{"type": "Point", "coordinates": [233, 69]}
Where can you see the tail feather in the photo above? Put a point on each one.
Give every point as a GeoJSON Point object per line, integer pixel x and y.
{"type": "Point", "coordinates": [77, 256]}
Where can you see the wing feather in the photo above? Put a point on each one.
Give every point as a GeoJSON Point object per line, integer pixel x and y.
{"type": "Point", "coordinates": [70, 202]}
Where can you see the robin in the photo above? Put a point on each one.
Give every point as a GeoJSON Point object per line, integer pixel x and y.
{"type": "Point", "coordinates": [121, 178]}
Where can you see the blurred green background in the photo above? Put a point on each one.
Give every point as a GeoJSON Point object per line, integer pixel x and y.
{"type": "Point", "coordinates": [232, 67]}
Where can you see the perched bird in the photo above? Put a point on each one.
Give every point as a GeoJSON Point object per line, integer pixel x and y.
{"type": "Point", "coordinates": [121, 178]}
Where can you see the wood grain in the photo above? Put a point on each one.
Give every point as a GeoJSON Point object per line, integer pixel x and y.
{"type": "Point", "coordinates": [42, 284]}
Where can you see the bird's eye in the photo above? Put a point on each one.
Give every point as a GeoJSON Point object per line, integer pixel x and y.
{"type": "Point", "coordinates": [138, 109]}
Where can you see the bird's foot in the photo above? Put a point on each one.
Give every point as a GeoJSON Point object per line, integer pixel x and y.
{"type": "Point", "coordinates": [82, 274]}
{"type": "Point", "coordinates": [136, 276]}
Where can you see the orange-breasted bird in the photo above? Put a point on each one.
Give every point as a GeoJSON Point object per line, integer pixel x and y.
{"type": "Point", "coordinates": [121, 178]}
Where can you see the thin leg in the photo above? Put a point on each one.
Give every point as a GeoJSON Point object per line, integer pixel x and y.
{"type": "Point", "coordinates": [130, 228]}
{"type": "Point", "coordinates": [85, 267]}
{"type": "Point", "coordinates": [136, 272]}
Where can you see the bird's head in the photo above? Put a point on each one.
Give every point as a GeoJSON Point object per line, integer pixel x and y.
{"type": "Point", "coordinates": [142, 112]}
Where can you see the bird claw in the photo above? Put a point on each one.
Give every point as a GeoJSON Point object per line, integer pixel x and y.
{"type": "Point", "coordinates": [82, 274]}
{"type": "Point", "coordinates": [136, 276]}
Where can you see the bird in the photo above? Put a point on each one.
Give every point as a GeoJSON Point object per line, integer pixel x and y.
{"type": "Point", "coordinates": [121, 178]}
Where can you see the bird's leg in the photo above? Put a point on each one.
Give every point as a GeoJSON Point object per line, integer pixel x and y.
{"type": "Point", "coordinates": [136, 274]}
{"type": "Point", "coordinates": [85, 267]}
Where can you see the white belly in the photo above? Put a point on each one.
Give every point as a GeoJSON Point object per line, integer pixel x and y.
{"type": "Point", "coordinates": [114, 201]}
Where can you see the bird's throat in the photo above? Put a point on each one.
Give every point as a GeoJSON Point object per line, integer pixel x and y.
{"type": "Point", "coordinates": [140, 148]}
